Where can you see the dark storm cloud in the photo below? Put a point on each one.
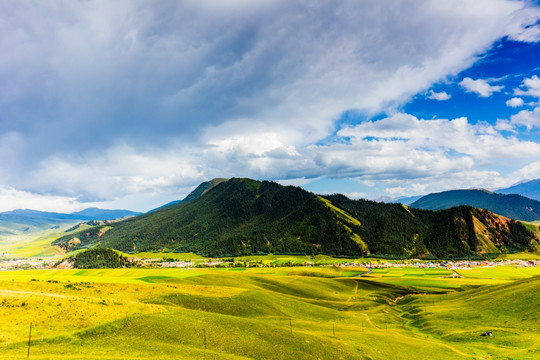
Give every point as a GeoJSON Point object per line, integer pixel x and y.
{"type": "Point", "coordinates": [100, 99]}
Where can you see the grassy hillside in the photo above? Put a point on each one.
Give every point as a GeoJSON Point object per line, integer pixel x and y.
{"type": "Point", "coordinates": [455, 232]}
{"type": "Point", "coordinates": [260, 314]}
{"type": "Point", "coordinates": [512, 206]}
{"type": "Point", "coordinates": [245, 217]}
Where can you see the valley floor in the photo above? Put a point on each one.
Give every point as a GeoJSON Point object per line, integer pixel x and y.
{"type": "Point", "coordinates": [265, 313]}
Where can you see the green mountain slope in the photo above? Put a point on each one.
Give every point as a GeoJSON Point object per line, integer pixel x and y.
{"type": "Point", "coordinates": [512, 206]}
{"type": "Point", "coordinates": [244, 217]}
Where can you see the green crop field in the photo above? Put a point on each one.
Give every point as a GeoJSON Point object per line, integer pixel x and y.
{"type": "Point", "coordinates": [266, 313]}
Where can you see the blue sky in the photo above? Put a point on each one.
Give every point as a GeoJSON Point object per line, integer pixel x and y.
{"type": "Point", "coordinates": [131, 104]}
{"type": "Point", "coordinates": [505, 67]}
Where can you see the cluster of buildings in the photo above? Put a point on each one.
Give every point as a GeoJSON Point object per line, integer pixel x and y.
{"type": "Point", "coordinates": [451, 265]}
{"type": "Point", "coordinates": [26, 264]}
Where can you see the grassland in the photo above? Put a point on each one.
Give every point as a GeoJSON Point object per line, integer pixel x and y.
{"type": "Point", "coordinates": [31, 245]}
{"type": "Point", "coordinates": [265, 313]}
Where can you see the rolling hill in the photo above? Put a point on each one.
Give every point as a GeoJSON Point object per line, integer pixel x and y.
{"type": "Point", "coordinates": [530, 189]}
{"type": "Point", "coordinates": [244, 217]}
{"type": "Point", "coordinates": [512, 206]}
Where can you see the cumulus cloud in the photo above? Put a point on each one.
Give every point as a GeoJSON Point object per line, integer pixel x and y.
{"type": "Point", "coordinates": [197, 89]}
{"type": "Point", "coordinates": [530, 171]}
{"type": "Point", "coordinates": [11, 198]}
{"type": "Point", "coordinates": [117, 172]}
{"type": "Point", "coordinates": [530, 119]}
{"type": "Point", "coordinates": [515, 102]}
{"type": "Point", "coordinates": [398, 151]}
{"type": "Point", "coordinates": [356, 195]}
{"type": "Point", "coordinates": [529, 87]}
{"type": "Point", "coordinates": [441, 96]}
{"type": "Point", "coordinates": [480, 87]}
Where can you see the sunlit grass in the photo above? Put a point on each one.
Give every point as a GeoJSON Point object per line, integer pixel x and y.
{"type": "Point", "coordinates": [266, 313]}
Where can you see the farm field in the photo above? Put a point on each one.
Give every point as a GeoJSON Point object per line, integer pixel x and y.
{"type": "Point", "coordinates": [265, 313]}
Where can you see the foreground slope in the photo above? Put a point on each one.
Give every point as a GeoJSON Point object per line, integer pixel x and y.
{"type": "Point", "coordinates": [512, 206]}
{"type": "Point", "coordinates": [243, 217]}
{"type": "Point", "coordinates": [277, 314]}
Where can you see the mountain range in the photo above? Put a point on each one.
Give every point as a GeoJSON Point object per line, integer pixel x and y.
{"type": "Point", "coordinates": [29, 221]}
{"type": "Point", "coordinates": [244, 217]}
{"type": "Point", "coordinates": [512, 206]}
{"type": "Point", "coordinates": [530, 189]}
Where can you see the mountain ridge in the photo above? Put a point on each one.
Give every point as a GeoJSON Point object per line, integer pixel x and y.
{"type": "Point", "coordinates": [513, 206]}
{"type": "Point", "coordinates": [245, 217]}
{"type": "Point", "coordinates": [529, 188]}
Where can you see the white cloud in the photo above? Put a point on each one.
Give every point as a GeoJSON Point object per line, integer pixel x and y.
{"type": "Point", "coordinates": [438, 137]}
{"type": "Point", "coordinates": [515, 102]}
{"type": "Point", "coordinates": [441, 96]}
{"type": "Point", "coordinates": [529, 87]}
{"type": "Point", "coordinates": [118, 172]}
{"type": "Point", "coordinates": [530, 119]}
{"type": "Point", "coordinates": [356, 195]}
{"type": "Point", "coordinates": [204, 89]}
{"type": "Point", "coordinates": [11, 198]}
{"type": "Point", "coordinates": [526, 27]}
{"type": "Point", "coordinates": [294, 182]}
{"type": "Point", "coordinates": [504, 125]}
{"type": "Point", "coordinates": [401, 151]}
{"type": "Point", "coordinates": [530, 171]}
{"type": "Point", "coordinates": [479, 86]}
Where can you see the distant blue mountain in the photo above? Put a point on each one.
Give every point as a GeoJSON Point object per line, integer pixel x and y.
{"type": "Point", "coordinates": [530, 189]}
{"type": "Point", "coordinates": [104, 214]}
{"type": "Point", "coordinates": [513, 206]}
{"type": "Point", "coordinates": [28, 221]}
{"type": "Point", "coordinates": [407, 200]}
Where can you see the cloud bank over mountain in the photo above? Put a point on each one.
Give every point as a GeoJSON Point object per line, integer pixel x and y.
{"type": "Point", "coordinates": [117, 101]}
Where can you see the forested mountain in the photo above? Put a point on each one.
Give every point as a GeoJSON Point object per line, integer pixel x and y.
{"type": "Point", "coordinates": [530, 189]}
{"type": "Point", "coordinates": [243, 216]}
{"type": "Point", "coordinates": [98, 258]}
{"type": "Point", "coordinates": [512, 206]}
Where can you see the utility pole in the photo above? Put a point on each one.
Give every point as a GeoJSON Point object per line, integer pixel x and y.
{"type": "Point", "coordinates": [29, 339]}
{"type": "Point", "coordinates": [204, 338]}
{"type": "Point", "coordinates": [334, 329]}
{"type": "Point", "coordinates": [290, 325]}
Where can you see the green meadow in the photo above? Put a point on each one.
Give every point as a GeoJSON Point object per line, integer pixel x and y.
{"type": "Point", "coordinates": [270, 313]}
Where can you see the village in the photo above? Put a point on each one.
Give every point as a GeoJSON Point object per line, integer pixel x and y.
{"type": "Point", "coordinates": [7, 263]}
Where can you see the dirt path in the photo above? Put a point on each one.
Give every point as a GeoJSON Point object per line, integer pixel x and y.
{"type": "Point", "coordinates": [457, 351]}
{"type": "Point", "coordinates": [369, 320]}
{"type": "Point", "coordinates": [364, 274]}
